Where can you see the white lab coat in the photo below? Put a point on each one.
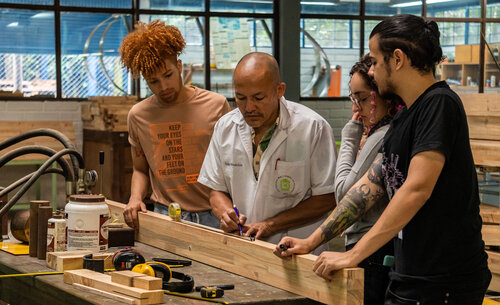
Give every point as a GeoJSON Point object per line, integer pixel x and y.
{"type": "Point", "coordinates": [299, 162]}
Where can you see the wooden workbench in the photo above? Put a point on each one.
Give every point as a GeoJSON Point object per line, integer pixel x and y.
{"type": "Point", "coordinates": [50, 289]}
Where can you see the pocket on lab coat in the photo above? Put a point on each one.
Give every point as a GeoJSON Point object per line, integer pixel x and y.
{"type": "Point", "coordinates": [288, 179]}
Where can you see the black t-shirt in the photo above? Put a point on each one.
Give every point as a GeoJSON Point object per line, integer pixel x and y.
{"type": "Point", "coordinates": [443, 242]}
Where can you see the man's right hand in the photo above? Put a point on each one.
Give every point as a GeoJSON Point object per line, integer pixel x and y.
{"type": "Point", "coordinates": [131, 210]}
{"type": "Point", "coordinates": [292, 246]}
{"type": "Point", "coordinates": [229, 220]}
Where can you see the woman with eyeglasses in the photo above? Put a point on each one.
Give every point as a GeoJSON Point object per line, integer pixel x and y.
{"type": "Point", "coordinates": [370, 121]}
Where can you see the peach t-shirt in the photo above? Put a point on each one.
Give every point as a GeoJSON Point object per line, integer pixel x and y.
{"type": "Point", "coordinates": [174, 139]}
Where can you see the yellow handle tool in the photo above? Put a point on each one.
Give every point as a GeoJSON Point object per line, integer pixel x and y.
{"type": "Point", "coordinates": [174, 211]}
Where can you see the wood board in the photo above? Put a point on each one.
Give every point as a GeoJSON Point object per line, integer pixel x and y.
{"type": "Point", "coordinates": [254, 260]}
{"type": "Point", "coordinates": [483, 117]}
{"type": "Point", "coordinates": [114, 296]}
{"type": "Point", "coordinates": [486, 152]}
{"type": "Point", "coordinates": [489, 214]}
{"type": "Point", "coordinates": [71, 260]}
{"type": "Point", "coordinates": [103, 282]}
{"type": "Point", "coordinates": [491, 235]}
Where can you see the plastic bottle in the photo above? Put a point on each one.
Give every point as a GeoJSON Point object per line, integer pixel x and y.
{"type": "Point", "coordinates": [493, 80]}
{"type": "Point", "coordinates": [87, 218]}
{"type": "Point", "coordinates": [56, 234]}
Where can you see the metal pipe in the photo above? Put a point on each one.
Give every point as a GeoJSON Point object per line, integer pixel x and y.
{"type": "Point", "coordinates": [39, 172]}
{"type": "Point", "coordinates": [65, 141]}
{"type": "Point", "coordinates": [36, 149]}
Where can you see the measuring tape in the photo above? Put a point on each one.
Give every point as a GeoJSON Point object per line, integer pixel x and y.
{"type": "Point", "coordinates": [174, 211]}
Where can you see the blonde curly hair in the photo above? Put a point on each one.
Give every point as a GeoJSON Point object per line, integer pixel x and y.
{"type": "Point", "coordinates": [144, 50]}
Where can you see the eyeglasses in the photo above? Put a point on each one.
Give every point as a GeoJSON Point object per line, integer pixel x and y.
{"type": "Point", "coordinates": [357, 101]}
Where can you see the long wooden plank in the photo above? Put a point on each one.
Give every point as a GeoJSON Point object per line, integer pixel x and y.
{"type": "Point", "coordinates": [490, 214]}
{"type": "Point", "coordinates": [491, 235]}
{"type": "Point", "coordinates": [484, 127]}
{"type": "Point", "coordinates": [114, 296]}
{"type": "Point", "coordinates": [252, 259]}
{"type": "Point", "coordinates": [480, 102]}
{"type": "Point", "coordinates": [486, 153]}
{"type": "Point", "coordinates": [103, 282]}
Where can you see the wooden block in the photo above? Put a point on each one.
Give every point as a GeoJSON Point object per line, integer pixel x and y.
{"type": "Point", "coordinates": [134, 279]}
{"type": "Point", "coordinates": [491, 235]}
{"type": "Point", "coordinates": [252, 259]}
{"type": "Point", "coordinates": [148, 282]}
{"type": "Point", "coordinates": [103, 282]}
{"type": "Point", "coordinates": [44, 214]}
{"type": "Point", "coordinates": [490, 214]}
{"type": "Point", "coordinates": [125, 277]}
{"type": "Point", "coordinates": [71, 260]}
{"type": "Point", "coordinates": [114, 296]}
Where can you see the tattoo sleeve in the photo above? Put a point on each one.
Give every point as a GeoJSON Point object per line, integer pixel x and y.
{"type": "Point", "coordinates": [361, 197]}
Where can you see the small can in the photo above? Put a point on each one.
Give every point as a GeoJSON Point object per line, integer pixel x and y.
{"type": "Point", "coordinates": [56, 234]}
{"type": "Point", "coordinates": [488, 83]}
{"type": "Point", "coordinates": [493, 80]}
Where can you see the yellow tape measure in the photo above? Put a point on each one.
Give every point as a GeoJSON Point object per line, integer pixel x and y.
{"type": "Point", "coordinates": [174, 211]}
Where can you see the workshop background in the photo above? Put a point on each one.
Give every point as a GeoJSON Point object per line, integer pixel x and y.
{"type": "Point", "coordinates": [60, 66]}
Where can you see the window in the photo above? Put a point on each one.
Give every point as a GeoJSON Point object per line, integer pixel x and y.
{"type": "Point", "coordinates": [329, 48]}
{"type": "Point", "coordinates": [90, 59]}
{"type": "Point", "coordinates": [27, 53]}
{"type": "Point", "coordinates": [86, 61]}
{"type": "Point", "coordinates": [337, 33]}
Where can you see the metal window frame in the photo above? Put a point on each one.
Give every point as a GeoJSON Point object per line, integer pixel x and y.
{"type": "Point", "coordinates": [362, 17]}
{"type": "Point", "coordinates": [135, 11]}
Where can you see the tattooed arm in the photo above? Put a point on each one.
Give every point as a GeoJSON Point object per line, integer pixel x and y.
{"type": "Point", "coordinates": [423, 173]}
{"type": "Point", "coordinates": [360, 198]}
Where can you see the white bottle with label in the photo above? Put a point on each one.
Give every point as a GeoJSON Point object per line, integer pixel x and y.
{"type": "Point", "coordinates": [493, 80]}
{"type": "Point", "coordinates": [87, 218]}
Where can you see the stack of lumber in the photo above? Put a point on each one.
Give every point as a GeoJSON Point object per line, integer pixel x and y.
{"type": "Point", "coordinates": [107, 112]}
{"type": "Point", "coordinates": [483, 116]}
{"type": "Point", "coordinates": [491, 237]}
{"type": "Point", "coordinates": [126, 290]}
{"type": "Point", "coordinates": [10, 129]}
{"type": "Point", "coordinates": [71, 260]}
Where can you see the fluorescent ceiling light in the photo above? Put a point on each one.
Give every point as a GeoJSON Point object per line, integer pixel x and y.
{"type": "Point", "coordinates": [415, 3]}
{"type": "Point", "coordinates": [13, 24]}
{"type": "Point", "coordinates": [42, 15]}
{"type": "Point", "coordinates": [368, 1]}
{"type": "Point", "coordinates": [316, 3]}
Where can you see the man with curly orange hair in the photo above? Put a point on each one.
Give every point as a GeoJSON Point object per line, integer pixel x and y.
{"type": "Point", "coordinates": [169, 131]}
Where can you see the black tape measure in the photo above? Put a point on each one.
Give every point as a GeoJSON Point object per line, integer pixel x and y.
{"type": "Point", "coordinates": [211, 292]}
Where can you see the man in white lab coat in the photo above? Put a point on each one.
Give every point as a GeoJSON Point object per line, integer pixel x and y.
{"type": "Point", "coordinates": [271, 158]}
